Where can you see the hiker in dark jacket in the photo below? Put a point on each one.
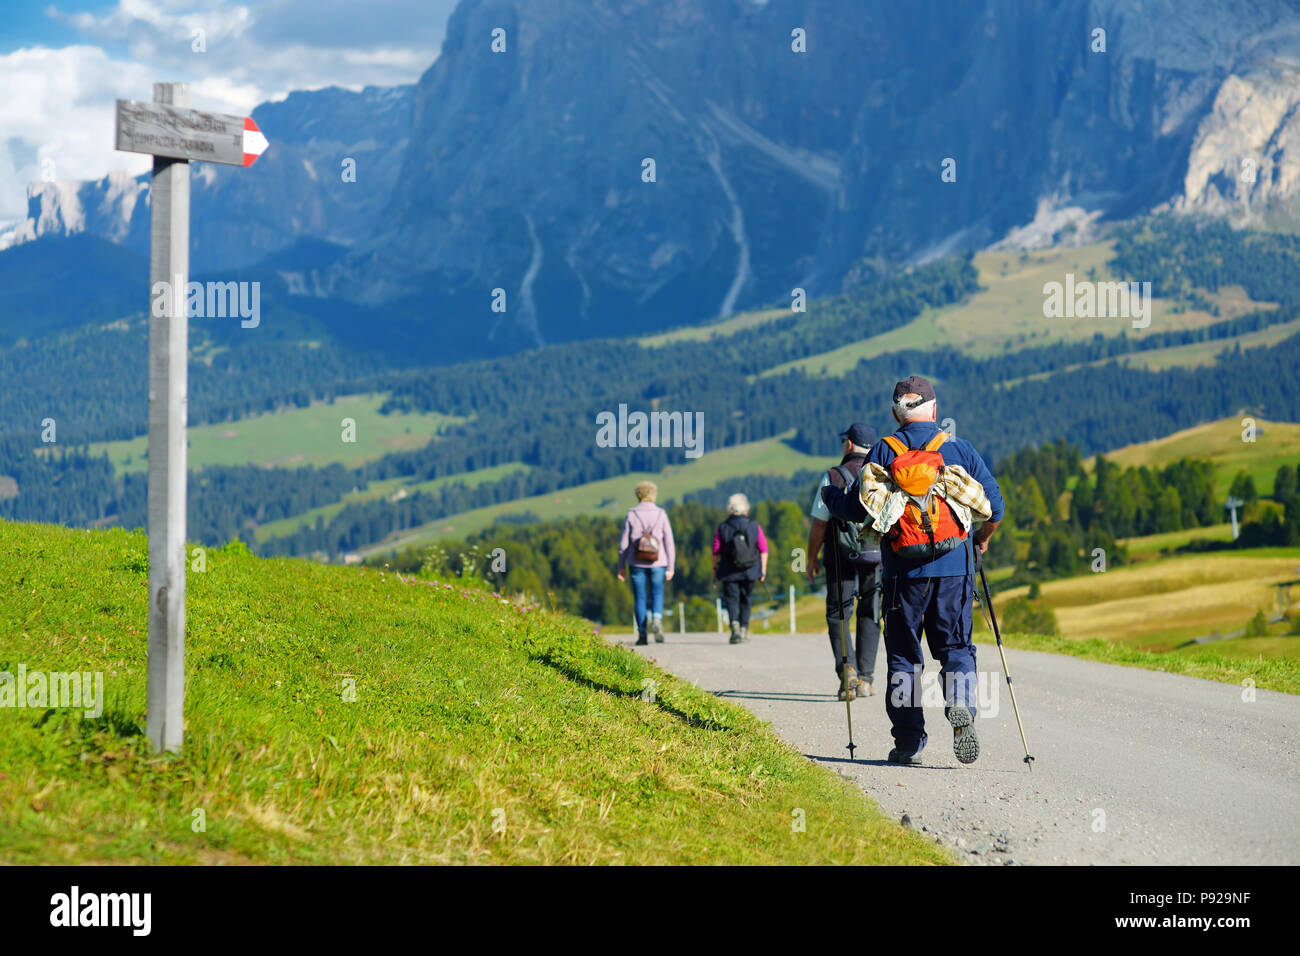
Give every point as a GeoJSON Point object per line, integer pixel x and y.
{"type": "Point", "coordinates": [927, 590]}
{"type": "Point", "coordinates": [739, 559]}
{"type": "Point", "coordinates": [848, 573]}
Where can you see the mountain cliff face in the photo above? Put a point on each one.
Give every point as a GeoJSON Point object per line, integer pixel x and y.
{"type": "Point", "coordinates": [789, 139]}
{"type": "Point", "coordinates": [1050, 130]}
{"type": "Point", "coordinates": [530, 169]}
{"type": "Point", "coordinates": [776, 168]}
{"type": "Point", "coordinates": [1244, 162]}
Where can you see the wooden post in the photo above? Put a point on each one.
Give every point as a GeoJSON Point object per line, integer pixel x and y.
{"type": "Point", "coordinates": [173, 134]}
{"type": "Point", "coordinates": [169, 263]}
{"type": "Point", "coordinates": [681, 618]}
{"type": "Point", "coordinates": [792, 630]}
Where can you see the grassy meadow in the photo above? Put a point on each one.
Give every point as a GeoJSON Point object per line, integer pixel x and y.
{"type": "Point", "coordinates": [720, 329]}
{"type": "Point", "coordinates": [294, 437]}
{"type": "Point", "coordinates": [478, 731]}
{"type": "Point", "coordinates": [1007, 315]}
{"type": "Point", "coordinates": [1222, 444]}
{"type": "Point", "coordinates": [1159, 604]}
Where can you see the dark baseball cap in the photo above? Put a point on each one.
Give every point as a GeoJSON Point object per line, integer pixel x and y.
{"type": "Point", "coordinates": [914, 385]}
{"type": "Point", "coordinates": [860, 434]}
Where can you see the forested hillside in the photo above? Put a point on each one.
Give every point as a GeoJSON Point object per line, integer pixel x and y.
{"type": "Point", "coordinates": [539, 408]}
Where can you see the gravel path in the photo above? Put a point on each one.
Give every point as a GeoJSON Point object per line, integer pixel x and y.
{"type": "Point", "coordinates": [1132, 766]}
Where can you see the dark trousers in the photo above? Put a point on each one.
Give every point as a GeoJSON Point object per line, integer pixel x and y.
{"type": "Point", "coordinates": [735, 594]}
{"type": "Point", "coordinates": [941, 607]}
{"type": "Point", "coordinates": [858, 579]}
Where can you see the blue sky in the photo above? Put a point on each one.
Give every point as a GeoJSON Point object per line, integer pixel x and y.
{"type": "Point", "coordinates": [63, 63]}
{"type": "Point", "coordinates": [27, 24]}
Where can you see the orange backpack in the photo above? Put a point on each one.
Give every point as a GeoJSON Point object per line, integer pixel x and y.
{"type": "Point", "coordinates": [928, 526]}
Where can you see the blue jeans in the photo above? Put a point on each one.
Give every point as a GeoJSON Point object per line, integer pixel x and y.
{"type": "Point", "coordinates": [647, 582]}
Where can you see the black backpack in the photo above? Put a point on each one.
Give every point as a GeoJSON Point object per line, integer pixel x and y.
{"type": "Point", "coordinates": [742, 549]}
{"type": "Point", "coordinates": [855, 542]}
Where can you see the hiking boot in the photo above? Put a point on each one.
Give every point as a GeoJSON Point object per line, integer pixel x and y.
{"type": "Point", "coordinates": [863, 688]}
{"type": "Point", "coordinates": [744, 634]}
{"type": "Point", "coordinates": [965, 743]}
{"type": "Point", "coordinates": [897, 756]}
{"type": "Point", "coordinates": [849, 685]}
{"type": "Point", "coordinates": [657, 629]}
{"type": "Point", "coordinates": [736, 637]}
{"type": "Point", "coordinates": [640, 640]}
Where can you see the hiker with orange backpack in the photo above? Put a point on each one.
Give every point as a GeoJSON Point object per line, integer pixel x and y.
{"type": "Point", "coordinates": [923, 489]}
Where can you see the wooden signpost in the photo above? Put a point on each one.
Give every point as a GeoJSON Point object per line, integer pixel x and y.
{"type": "Point", "coordinates": [173, 134]}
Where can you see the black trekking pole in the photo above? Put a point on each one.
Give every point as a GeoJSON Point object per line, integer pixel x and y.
{"type": "Point", "coordinates": [834, 546]}
{"type": "Point", "coordinates": [991, 617]}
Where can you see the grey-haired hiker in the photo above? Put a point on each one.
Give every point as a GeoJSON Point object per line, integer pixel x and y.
{"type": "Point", "coordinates": [739, 559]}
{"type": "Point", "coordinates": [851, 570]}
{"type": "Point", "coordinates": [646, 550]}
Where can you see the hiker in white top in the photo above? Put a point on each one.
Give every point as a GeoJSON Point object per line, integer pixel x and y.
{"type": "Point", "coordinates": [646, 550]}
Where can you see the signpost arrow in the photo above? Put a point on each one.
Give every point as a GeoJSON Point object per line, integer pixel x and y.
{"type": "Point", "coordinates": [174, 135]}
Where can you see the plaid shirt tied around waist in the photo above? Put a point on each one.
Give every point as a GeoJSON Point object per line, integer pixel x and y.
{"type": "Point", "coordinates": [884, 501]}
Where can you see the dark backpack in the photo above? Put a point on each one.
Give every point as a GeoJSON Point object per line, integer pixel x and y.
{"type": "Point", "coordinates": [855, 542]}
{"type": "Point", "coordinates": [742, 548]}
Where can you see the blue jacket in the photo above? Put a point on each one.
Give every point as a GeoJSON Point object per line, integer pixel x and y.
{"type": "Point", "coordinates": [955, 451]}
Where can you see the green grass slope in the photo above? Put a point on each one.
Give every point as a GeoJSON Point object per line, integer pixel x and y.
{"type": "Point", "coordinates": [295, 437]}
{"type": "Point", "coordinates": [1275, 444]}
{"type": "Point", "coordinates": [1007, 315]}
{"type": "Point", "coordinates": [480, 732]}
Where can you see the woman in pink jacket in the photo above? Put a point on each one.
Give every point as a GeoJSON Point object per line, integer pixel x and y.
{"type": "Point", "coordinates": [646, 548]}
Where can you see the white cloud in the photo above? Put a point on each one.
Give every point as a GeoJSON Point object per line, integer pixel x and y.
{"type": "Point", "coordinates": [59, 119]}
{"type": "Point", "coordinates": [62, 107]}
{"type": "Point", "coordinates": [167, 23]}
{"type": "Point", "coordinates": [276, 46]}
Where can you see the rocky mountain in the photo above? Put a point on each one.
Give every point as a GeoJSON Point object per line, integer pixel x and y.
{"type": "Point", "coordinates": [622, 165]}
{"type": "Point", "coordinates": [1059, 115]}
{"type": "Point", "coordinates": [776, 168]}
{"type": "Point", "coordinates": [1244, 162]}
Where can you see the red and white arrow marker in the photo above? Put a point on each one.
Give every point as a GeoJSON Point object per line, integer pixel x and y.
{"type": "Point", "coordinates": [254, 142]}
